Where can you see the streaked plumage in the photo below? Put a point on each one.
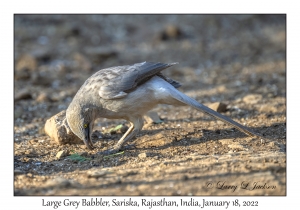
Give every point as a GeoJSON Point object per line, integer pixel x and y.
{"type": "Point", "coordinates": [128, 92]}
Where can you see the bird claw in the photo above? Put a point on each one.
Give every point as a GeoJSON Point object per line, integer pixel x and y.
{"type": "Point", "coordinates": [108, 152]}
{"type": "Point", "coordinates": [116, 149]}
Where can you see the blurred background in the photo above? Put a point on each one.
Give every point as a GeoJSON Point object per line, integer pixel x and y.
{"type": "Point", "coordinates": [55, 54]}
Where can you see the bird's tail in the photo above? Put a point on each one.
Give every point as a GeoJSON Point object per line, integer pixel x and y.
{"type": "Point", "coordinates": [192, 102]}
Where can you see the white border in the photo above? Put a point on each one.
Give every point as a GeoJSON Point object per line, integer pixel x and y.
{"type": "Point", "coordinates": [8, 201]}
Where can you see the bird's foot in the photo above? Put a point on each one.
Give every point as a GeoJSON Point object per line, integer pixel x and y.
{"type": "Point", "coordinates": [116, 149]}
{"type": "Point", "coordinates": [109, 151]}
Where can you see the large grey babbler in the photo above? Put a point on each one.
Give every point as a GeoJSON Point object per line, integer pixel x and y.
{"type": "Point", "coordinates": [128, 92]}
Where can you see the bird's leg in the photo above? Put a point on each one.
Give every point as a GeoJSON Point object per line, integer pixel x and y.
{"type": "Point", "coordinates": [134, 129]}
{"type": "Point", "coordinates": [128, 135]}
{"type": "Point", "coordinates": [90, 133]}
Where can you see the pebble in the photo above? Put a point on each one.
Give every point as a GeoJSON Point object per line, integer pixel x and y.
{"type": "Point", "coordinates": [29, 174]}
{"type": "Point", "coordinates": [62, 153]}
{"type": "Point", "coordinates": [252, 98]}
{"type": "Point", "coordinates": [272, 144]}
{"type": "Point", "coordinates": [26, 61]}
{"type": "Point", "coordinates": [23, 95]}
{"type": "Point", "coordinates": [29, 151]}
{"type": "Point", "coordinates": [267, 108]}
{"type": "Point", "coordinates": [170, 32]}
{"type": "Point", "coordinates": [58, 129]}
{"type": "Point", "coordinates": [82, 146]}
{"type": "Point", "coordinates": [142, 155]}
{"type": "Point", "coordinates": [43, 97]}
{"type": "Point", "coordinates": [218, 107]}
{"type": "Point", "coordinates": [33, 141]}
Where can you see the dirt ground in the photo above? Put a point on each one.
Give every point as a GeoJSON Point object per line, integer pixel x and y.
{"type": "Point", "coordinates": [239, 60]}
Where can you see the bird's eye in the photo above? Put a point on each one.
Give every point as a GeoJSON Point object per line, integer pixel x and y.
{"type": "Point", "coordinates": [85, 125]}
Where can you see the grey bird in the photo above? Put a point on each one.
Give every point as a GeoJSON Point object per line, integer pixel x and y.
{"type": "Point", "coordinates": [128, 92]}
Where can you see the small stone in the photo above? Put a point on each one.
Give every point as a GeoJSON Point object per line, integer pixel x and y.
{"type": "Point", "coordinates": [26, 61]}
{"type": "Point", "coordinates": [33, 141]}
{"type": "Point", "coordinates": [29, 174]}
{"type": "Point", "coordinates": [62, 153]}
{"type": "Point", "coordinates": [272, 144]}
{"type": "Point", "coordinates": [43, 97]}
{"type": "Point", "coordinates": [82, 146]}
{"type": "Point", "coordinates": [23, 95]}
{"type": "Point", "coordinates": [25, 66]}
{"type": "Point", "coordinates": [252, 98]}
{"type": "Point", "coordinates": [163, 164]}
{"type": "Point", "coordinates": [170, 32]}
{"type": "Point", "coordinates": [218, 107]}
{"type": "Point", "coordinates": [28, 152]}
{"type": "Point", "coordinates": [42, 54]}
{"type": "Point", "coordinates": [59, 131]}
{"type": "Point", "coordinates": [267, 108]}
{"type": "Point", "coordinates": [142, 155]}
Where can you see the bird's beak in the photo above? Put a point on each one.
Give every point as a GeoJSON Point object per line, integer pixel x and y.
{"type": "Point", "coordinates": [87, 140]}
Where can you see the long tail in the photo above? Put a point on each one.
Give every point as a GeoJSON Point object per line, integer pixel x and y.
{"type": "Point", "coordinates": [192, 102]}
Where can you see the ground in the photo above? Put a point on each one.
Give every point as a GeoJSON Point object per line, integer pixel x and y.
{"type": "Point", "coordinates": [239, 60]}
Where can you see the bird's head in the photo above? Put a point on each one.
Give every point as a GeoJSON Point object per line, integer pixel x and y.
{"type": "Point", "coordinates": [80, 120]}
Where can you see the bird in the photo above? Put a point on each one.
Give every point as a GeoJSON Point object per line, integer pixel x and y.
{"type": "Point", "coordinates": [129, 92]}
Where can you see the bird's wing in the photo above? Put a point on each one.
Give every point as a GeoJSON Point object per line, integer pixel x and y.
{"type": "Point", "coordinates": [117, 81]}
